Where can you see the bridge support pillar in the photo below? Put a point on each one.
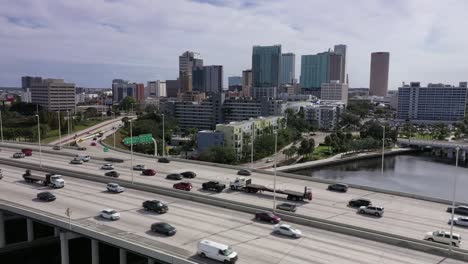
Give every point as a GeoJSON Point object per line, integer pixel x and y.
{"type": "Point", "coordinates": [64, 248]}
{"type": "Point", "coordinates": [2, 230]}
{"type": "Point", "coordinates": [94, 251]}
{"type": "Point", "coordinates": [150, 261]}
{"type": "Point", "coordinates": [463, 155]}
{"type": "Point", "coordinates": [122, 256]}
{"type": "Point", "coordinates": [30, 228]}
{"type": "Point", "coordinates": [56, 231]}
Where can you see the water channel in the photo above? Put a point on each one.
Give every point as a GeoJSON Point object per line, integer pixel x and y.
{"type": "Point", "coordinates": [421, 174]}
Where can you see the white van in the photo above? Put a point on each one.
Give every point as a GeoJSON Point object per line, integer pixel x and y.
{"type": "Point", "coordinates": [84, 158]}
{"type": "Point", "coordinates": [217, 251]}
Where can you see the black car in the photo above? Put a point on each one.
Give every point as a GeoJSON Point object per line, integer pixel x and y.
{"type": "Point", "coordinates": [46, 196]}
{"type": "Point", "coordinates": [81, 148]}
{"type": "Point", "coordinates": [339, 187]}
{"type": "Point", "coordinates": [156, 206]}
{"type": "Point", "coordinates": [214, 186]}
{"type": "Point", "coordinates": [359, 202]}
{"type": "Point", "coordinates": [115, 160]}
{"type": "Point", "coordinates": [112, 174]}
{"type": "Point", "coordinates": [244, 172]}
{"type": "Point", "coordinates": [189, 174]}
{"type": "Point", "coordinates": [287, 207]}
{"type": "Point", "coordinates": [174, 176]}
{"type": "Point", "coordinates": [163, 228]}
{"type": "Point", "coordinates": [461, 210]}
{"type": "Point", "coordinates": [163, 160]}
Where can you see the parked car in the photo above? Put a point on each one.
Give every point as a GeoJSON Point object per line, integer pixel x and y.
{"type": "Point", "coordinates": [107, 166]}
{"type": "Point", "coordinates": [443, 237]}
{"type": "Point", "coordinates": [110, 214]}
{"type": "Point", "coordinates": [461, 210]}
{"type": "Point", "coordinates": [156, 206]}
{"type": "Point", "coordinates": [113, 173]}
{"type": "Point", "coordinates": [189, 174]}
{"type": "Point", "coordinates": [76, 161]}
{"type": "Point", "coordinates": [46, 196]}
{"type": "Point", "coordinates": [148, 172]}
{"type": "Point", "coordinates": [56, 147]}
{"type": "Point", "coordinates": [174, 176]}
{"type": "Point", "coordinates": [244, 172]}
{"type": "Point", "coordinates": [359, 202]}
{"type": "Point", "coordinates": [287, 230]}
{"type": "Point", "coordinates": [163, 160]}
{"type": "Point", "coordinates": [93, 144]}
{"type": "Point", "coordinates": [18, 155]}
{"type": "Point", "coordinates": [214, 186]}
{"type": "Point", "coordinates": [115, 188]}
{"type": "Point", "coordinates": [216, 251]}
{"type": "Point", "coordinates": [139, 167]}
{"type": "Point", "coordinates": [372, 210]}
{"type": "Point", "coordinates": [267, 217]}
{"type": "Point", "coordinates": [185, 186]}
{"type": "Point", "coordinates": [287, 207]}
{"type": "Point", "coordinates": [163, 228]}
{"type": "Point", "coordinates": [460, 221]}
{"type": "Point", "coordinates": [339, 187]}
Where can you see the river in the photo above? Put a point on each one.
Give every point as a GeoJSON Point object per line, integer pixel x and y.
{"type": "Point", "coordinates": [416, 173]}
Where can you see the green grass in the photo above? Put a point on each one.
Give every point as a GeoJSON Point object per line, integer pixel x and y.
{"type": "Point", "coordinates": [118, 140]}
{"type": "Point", "coordinates": [321, 152]}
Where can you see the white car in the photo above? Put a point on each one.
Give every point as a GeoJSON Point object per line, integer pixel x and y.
{"type": "Point", "coordinates": [443, 237]}
{"type": "Point", "coordinates": [84, 158]}
{"type": "Point", "coordinates": [107, 166]}
{"type": "Point", "coordinates": [115, 188]}
{"type": "Point", "coordinates": [139, 167]}
{"type": "Point", "coordinates": [287, 230]}
{"type": "Point", "coordinates": [110, 214]}
{"type": "Point", "coordinates": [460, 220]}
{"type": "Point", "coordinates": [372, 210]}
{"type": "Point", "coordinates": [269, 160]}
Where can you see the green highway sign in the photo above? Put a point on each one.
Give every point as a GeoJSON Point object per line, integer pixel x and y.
{"type": "Point", "coordinates": [106, 149]}
{"type": "Point", "coordinates": [141, 139]}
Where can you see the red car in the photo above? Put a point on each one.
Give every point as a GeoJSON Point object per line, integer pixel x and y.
{"type": "Point", "coordinates": [93, 143]}
{"type": "Point", "coordinates": [27, 152]}
{"type": "Point", "coordinates": [149, 172]}
{"type": "Point", "coordinates": [185, 186]}
{"type": "Point", "coordinates": [267, 217]}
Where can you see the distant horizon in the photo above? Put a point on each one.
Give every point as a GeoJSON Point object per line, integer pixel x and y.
{"type": "Point", "coordinates": [94, 42]}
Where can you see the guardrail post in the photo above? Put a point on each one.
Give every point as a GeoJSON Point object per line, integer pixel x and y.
{"type": "Point", "coordinates": [30, 229]}
{"type": "Point", "coordinates": [94, 251]}
{"type": "Point", "coordinates": [2, 230]}
{"type": "Point", "coordinates": [64, 248]}
{"type": "Point", "coordinates": [122, 256]}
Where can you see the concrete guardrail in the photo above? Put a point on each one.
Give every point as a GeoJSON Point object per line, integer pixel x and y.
{"type": "Point", "coordinates": [388, 238]}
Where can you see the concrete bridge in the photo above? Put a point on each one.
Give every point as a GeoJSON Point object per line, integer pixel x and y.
{"type": "Point", "coordinates": [437, 147]}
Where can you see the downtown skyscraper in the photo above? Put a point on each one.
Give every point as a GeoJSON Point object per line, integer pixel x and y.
{"type": "Point", "coordinates": [266, 66]}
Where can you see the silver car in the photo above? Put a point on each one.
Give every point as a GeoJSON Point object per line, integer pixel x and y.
{"type": "Point", "coordinates": [460, 221]}
{"type": "Point", "coordinates": [372, 210]}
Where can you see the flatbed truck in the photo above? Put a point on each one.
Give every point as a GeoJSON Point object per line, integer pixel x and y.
{"type": "Point", "coordinates": [246, 185]}
{"type": "Point", "coordinates": [53, 180]}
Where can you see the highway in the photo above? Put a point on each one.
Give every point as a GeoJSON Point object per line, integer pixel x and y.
{"type": "Point", "coordinates": [403, 216]}
{"type": "Point", "coordinates": [252, 240]}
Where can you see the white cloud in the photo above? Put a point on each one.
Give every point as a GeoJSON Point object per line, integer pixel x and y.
{"type": "Point", "coordinates": [92, 41]}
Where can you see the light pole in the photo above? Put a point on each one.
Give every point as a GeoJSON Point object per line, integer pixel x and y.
{"type": "Point", "coordinates": [453, 201]}
{"type": "Point", "coordinates": [39, 140]}
{"type": "Point", "coordinates": [163, 141]}
{"type": "Point", "coordinates": [59, 128]}
{"type": "Point", "coordinates": [383, 149]}
{"type": "Point", "coordinates": [115, 130]}
{"type": "Point", "coordinates": [1, 125]}
{"type": "Point", "coordinates": [131, 148]}
{"type": "Point", "coordinates": [68, 115]}
{"type": "Point", "coordinates": [252, 146]}
{"type": "Point", "coordinates": [274, 177]}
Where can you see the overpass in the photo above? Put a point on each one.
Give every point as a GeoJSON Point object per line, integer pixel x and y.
{"type": "Point", "coordinates": [438, 147]}
{"type": "Point", "coordinates": [426, 213]}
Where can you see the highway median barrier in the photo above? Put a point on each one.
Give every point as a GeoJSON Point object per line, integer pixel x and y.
{"type": "Point", "coordinates": [384, 237]}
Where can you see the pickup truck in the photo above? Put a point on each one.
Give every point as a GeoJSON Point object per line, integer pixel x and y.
{"type": "Point", "coordinates": [214, 186]}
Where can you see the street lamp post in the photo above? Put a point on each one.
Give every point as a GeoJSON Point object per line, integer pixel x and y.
{"type": "Point", "coordinates": [252, 146]}
{"type": "Point", "coordinates": [163, 140]}
{"type": "Point", "coordinates": [274, 177]}
{"type": "Point", "coordinates": [68, 115]}
{"type": "Point", "coordinates": [131, 148]}
{"type": "Point", "coordinates": [59, 128]}
{"type": "Point", "coordinates": [453, 201]}
{"type": "Point", "coordinates": [1, 125]}
{"type": "Point", "coordinates": [39, 140]}
{"type": "Point", "coordinates": [115, 130]}
{"type": "Point", "coordinates": [383, 149]}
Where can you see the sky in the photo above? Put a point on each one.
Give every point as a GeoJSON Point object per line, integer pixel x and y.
{"type": "Point", "coordinates": [91, 42]}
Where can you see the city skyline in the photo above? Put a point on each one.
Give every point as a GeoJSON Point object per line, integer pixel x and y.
{"type": "Point", "coordinates": [140, 41]}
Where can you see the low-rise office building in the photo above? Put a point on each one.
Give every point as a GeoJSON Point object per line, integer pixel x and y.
{"type": "Point", "coordinates": [54, 94]}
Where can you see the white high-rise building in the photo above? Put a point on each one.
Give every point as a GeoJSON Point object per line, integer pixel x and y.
{"type": "Point", "coordinates": [157, 89]}
{"type": "Point", "coordinates": [334, 91]}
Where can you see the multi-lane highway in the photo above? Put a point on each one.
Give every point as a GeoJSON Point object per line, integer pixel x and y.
{"type": "Point", "coordinates": [403, 216]}
{"type": "Point", "coordinates": [253, 240]}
